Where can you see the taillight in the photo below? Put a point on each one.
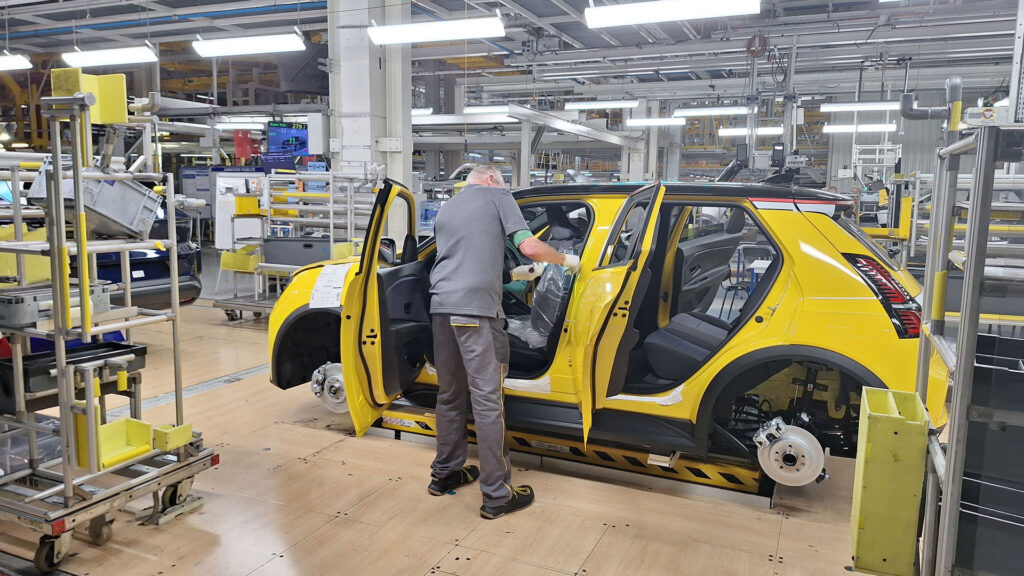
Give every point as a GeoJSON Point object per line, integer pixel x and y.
{"type": "Point", "coordinates": [903, 310]}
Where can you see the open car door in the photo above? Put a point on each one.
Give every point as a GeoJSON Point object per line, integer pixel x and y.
{"type": "Point", "coordinates": [604, 330]}
{"type": "Point", "coordinates": [370, 383]}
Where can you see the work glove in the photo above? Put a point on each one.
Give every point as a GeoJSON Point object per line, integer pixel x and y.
{"type": "Point", "coordinates": [572, 262]}
{"type": "Point", "coordinates": [526, 272]}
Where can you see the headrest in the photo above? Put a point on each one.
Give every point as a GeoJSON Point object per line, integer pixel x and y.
{"type": "Point", "coordinates": [559, 227]}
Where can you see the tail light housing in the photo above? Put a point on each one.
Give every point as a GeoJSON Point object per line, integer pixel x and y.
{"type": "Point", "coordinates": [903, 310]}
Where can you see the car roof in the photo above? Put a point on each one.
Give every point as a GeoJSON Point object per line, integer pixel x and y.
{"type": "Point", "coordinates": [722, 189]}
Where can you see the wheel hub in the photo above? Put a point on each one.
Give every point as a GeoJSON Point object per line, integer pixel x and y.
{"type": "Point", "coordinates": [790, 455]}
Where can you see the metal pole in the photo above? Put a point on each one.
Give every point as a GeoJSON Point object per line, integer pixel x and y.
{"type": "Point", "coordinates": [55, 232]}
{"type": "Point", "coordinates": [172, 258]}
{"type": "Point", "coordinates": [931, 514]}
{"type": "Point", "coordinates": [84, 276]}
{"type": "Point", "coordinates": [976, 243]}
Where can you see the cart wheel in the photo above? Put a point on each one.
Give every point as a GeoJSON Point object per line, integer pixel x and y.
{"type": "Point", "coordinates": [257, 314]}
{"type": "Point", "coordinates": [232, 315]}
{"type": "Point", "coordinates": [100, 530]}
{"type": "Point", "coordinates": [44, 559]}
{"type": "Point", "coordinates": [172, 496]}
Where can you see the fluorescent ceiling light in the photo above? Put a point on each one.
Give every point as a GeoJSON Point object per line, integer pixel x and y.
{"type": "Point", "coordinates": [14, 62]}
{"type": "Point", "coordinates": [503, 109]}
{"type": "Point", "coordinates": [666, 10]}
{"type": "Point", "coordinates": [19, 145]}
{"type": "Point", "coordinates": [655, 121]}
{"type": "Point", "coordinates": [761, 131]}
{"type": "Point", "coordinates": [601, 104]}
{"type": "Point", "coordinates": [268, 44]}
{"type": "Point", "coordinates": [422, 111]}
{"type": "Point", "coordinates": [713, 111]}
{"type": "Point", "coordinates": [240, 126]}
{"type": "Point", "coordinates": [860, 128]}
{"type": "Point", "coordinates": [498, 158]}
{"type": "Point", "coordinates": [245, 119]}
{"type": "Point", "coordinates": [859, 106]}
{"type": "Point", "coordinates": [111, 57]}
{"type": "Point", "coordinates": [467, 29]}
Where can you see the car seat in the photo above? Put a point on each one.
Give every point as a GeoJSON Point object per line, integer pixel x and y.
{"type": "Point", "coordinates": [678, 350]}
{"type": "Point", "coordinates": [705, 264]}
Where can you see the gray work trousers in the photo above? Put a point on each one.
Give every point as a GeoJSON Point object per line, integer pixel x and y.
{"type": "Point", "coordinates": [471, 357]}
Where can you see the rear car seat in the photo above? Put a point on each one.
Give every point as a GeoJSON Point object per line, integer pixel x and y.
{"type": "Point", "coordinates": [678, 350]}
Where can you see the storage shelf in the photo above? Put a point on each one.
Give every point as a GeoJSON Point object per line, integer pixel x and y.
{"type": "Point", "coordinates": [41, 248]}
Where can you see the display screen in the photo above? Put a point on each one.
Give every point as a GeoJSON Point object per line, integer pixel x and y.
{"type": "Point", "coordinates": [288, 137]}
{"type": "Point", "coordinates": [279, 161]}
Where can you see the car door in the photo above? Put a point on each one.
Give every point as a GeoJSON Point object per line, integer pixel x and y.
{"type": "Point", "coordinates": [370, 382]}
{"type": "Point", "coordinates": [606, 302]}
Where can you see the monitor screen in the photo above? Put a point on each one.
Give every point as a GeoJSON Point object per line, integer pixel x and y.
{"type": "Point", "coordinates": [288, 137]}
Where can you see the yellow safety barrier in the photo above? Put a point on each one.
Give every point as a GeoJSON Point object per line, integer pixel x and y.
{"type": "Point", "coordinates": [888, 482]}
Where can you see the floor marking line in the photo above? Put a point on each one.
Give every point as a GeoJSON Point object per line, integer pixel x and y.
{"type": "Point", "coordinates": [193, 390]}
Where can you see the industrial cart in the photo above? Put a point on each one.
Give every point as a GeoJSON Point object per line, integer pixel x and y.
{"type": "Point", "coordinates": [102, 465]}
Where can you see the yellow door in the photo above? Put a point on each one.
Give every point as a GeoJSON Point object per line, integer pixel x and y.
{"type": "Point", "coordinates": [366, 379]}
{"type": "Point", "coordinates": [606, 300]}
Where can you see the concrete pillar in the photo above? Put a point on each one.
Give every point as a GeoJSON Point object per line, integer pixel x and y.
{"type": "Point", "coordinates": [398, 71]}
{"type": "Point", "coordinates": [432, 93]}
{"type": "Point", "coordinates": [651, 171]}
{"type": "Point", "coordinates": [673, 148]}
{"type": "Point", "coordinates": [450, 105]}
{"type": "Point", "coordinates": [633, 159]}
{"type": "Point", "coordinates": [525, 160]}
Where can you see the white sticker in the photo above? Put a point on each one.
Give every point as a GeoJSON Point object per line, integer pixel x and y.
{"type": "Point", "coordinates": [138, 274]}
{"type": "Point", "coordinates": [329, 286]}
{"type": "Point", "coordinates": [429, 369]}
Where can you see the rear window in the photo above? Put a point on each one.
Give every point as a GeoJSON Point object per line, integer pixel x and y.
{"type": "Point", "coordinates": [880, 254]}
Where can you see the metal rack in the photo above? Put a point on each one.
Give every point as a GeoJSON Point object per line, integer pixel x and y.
{"type": "Point", "coordinates": [79, 489]}
{"type": "Point", "coordinates": [339, 213]}
{"type": "Point", "coordinates": [945, 469]}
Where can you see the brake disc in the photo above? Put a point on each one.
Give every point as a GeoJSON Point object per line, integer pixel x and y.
{"type": "Point", "coordinates": [789, 455]}
{"type": "Point", "coordinates": [328, 385]}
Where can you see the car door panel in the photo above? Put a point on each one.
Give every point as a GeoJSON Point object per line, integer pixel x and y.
{"type": "Point", "coordinates": [370, 384]}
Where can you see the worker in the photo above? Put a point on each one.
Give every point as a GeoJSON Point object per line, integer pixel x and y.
{"type": "Point", "coordinates": [470, 339]}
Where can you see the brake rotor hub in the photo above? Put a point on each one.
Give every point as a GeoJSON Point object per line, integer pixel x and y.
{"type": "Point", "coordinates": [790, 455]}
{"type": "Point", "coordinates": [328, 385]}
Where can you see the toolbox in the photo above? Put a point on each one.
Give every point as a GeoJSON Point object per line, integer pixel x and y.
{"type": "Point", "coordinates": [36, 367]}
{"type": "Point", "coordinates": [25, 305]}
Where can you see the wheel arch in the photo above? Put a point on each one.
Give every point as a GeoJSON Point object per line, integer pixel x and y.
{"type": "Point", "coordinates": [732, 380]}
{"type": "Point", "coordinates": [307, 339]}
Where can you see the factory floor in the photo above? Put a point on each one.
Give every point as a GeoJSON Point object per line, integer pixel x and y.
{"type": "Point", "coordinates": [297, 493]}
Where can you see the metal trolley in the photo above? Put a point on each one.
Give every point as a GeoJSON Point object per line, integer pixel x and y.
{"type": "Point", "coordinates": [81, 487]}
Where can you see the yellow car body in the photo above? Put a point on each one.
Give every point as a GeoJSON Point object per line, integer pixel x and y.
{"type": "Point", "coordinates": [831, 303]}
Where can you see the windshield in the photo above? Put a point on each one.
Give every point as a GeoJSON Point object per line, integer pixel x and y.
{"type": "Point", "coordinates": [876, 250]}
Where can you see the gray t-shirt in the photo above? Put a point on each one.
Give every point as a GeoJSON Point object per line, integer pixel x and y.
{"type": "Point", "coordinates": [470, 231]}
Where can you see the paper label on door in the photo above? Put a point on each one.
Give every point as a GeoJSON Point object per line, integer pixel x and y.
{"type": "Point", "coordinates": [329, 286]}
{"type": "Point", "coordinates": [138, 274]}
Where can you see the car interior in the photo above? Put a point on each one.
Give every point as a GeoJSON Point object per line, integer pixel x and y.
{"type": "Point", "coordinates": [720, 269]}
{"type": "Point", "coordinates": [404, 295]}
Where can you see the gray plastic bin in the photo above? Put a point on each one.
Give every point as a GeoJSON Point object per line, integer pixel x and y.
{"type": "Point", "coordinates": [115, 208]}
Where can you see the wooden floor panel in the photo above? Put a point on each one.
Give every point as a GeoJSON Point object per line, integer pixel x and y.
{"type": "Point", "coordinates": [297, 494]}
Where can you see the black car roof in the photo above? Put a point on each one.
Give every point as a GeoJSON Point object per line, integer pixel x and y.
{"type": "Point", "coordinates": [722, 189]}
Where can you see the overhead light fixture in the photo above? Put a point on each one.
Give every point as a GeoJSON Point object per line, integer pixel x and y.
{"type": "Point", "coordinates": [639, 122]}
{"type": "Point", "coordinates": [109, 57]}
{"type": "Point", "coordinates": [468, 29]}
{"type": "Point", "coordinates": [14, 62]}
{"type": "Point", "coordinates": [601, 104]}
{"type": "Point", "coordinates": [422, 111]}
{"type": "Point", "coordinates": [857, 128]}
{"type": "Point", "coordinates": [665, 11]}
{"type": "Point", "coordinates": [485, 109]}
{"type": "Point", "coordinates": [860, 106]}
{"type": "Point", "coordinates": [19, 145]}
{"type": "Point", "coordinates": [267, 44]}
{"type": "Point", "coordinates": [713, 111]}
{"type": "Point", "coordinates": [761, 131]}
{"type": "Point", "coordinates": [498, 158]}
{"type": "Point", "coordinates": [240, 126]}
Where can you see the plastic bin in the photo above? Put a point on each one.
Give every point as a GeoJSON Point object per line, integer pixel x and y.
{"type": "Point", "coordinates": [116, 208]}
{"type": "Point", "coordinates": [170, 437]}
{"type": "Point", "coordinates": [117, 441]}
{"type": "Point", "coordinates": [888, 482]}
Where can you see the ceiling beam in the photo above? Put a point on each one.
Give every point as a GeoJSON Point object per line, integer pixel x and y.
{"type": "Point", "coordinates": [536, 20]}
